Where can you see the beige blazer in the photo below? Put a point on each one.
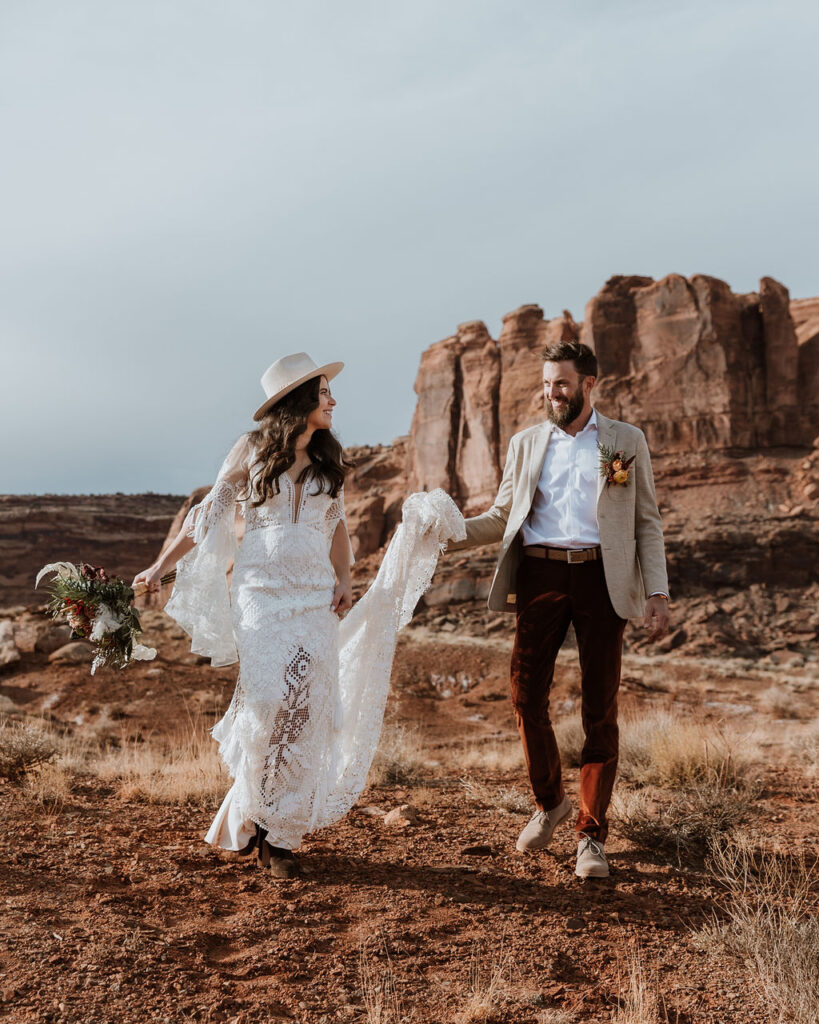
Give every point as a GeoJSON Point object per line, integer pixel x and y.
{"type": "Point", "coordinates": [631, 533]}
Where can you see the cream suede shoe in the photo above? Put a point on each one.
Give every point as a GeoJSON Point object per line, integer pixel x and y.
{"type": "Point", "coordinates": [539, 831]}
{"type": "Point", "coordinates": [591, 859]}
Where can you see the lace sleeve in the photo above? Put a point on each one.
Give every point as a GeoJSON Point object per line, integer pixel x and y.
{"type": "Point", "coordinates": [367, 639]}
{"type": "Point", "coordinates": [219, 504]}
{"type": "Point", "coordinates": [335, 515]}
{"type": "Point", "coordinates": [200, 601]}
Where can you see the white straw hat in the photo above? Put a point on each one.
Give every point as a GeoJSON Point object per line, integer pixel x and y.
{"type": "Point", "coordinates": [287, 373]}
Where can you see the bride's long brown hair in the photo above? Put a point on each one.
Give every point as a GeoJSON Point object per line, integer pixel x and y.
{"type": "Point", "coordinates": [275, 445]}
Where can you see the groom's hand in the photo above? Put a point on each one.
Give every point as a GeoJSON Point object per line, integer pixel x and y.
{"type": "Point", "coordinates": [657, 617]}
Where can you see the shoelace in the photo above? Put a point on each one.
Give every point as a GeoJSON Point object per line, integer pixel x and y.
{"type": "Point", "coordinates": [595, 848]}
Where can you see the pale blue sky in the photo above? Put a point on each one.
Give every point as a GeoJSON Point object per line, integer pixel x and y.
{"type": "Point", "coordinates": [192, 189]}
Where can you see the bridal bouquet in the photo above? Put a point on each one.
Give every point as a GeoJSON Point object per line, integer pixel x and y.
{"type": "Point", "coordinates": [98, 608]}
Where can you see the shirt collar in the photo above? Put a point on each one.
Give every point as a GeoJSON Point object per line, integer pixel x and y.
{"type": "Point", "coordinates": [591, 425]}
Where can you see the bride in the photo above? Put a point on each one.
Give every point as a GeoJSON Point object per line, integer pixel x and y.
{"type": "Point", "coordinates": [301, 730]}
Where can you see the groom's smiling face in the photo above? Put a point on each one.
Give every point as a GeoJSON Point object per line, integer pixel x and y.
{"type": "Point", "coordinates": [565, 392]}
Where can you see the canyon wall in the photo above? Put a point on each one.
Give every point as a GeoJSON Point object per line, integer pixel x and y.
{"type": "Point", "coordinates": [697, 366]}
{"type": "Point", "coordinates": [122, 532]}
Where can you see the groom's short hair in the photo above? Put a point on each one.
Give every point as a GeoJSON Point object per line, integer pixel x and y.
{"type": "Point", "coordinates": [585, 361]}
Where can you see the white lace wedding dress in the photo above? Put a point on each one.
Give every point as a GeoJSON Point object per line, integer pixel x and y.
{"type": "Point", "coordinates": [303, 725]}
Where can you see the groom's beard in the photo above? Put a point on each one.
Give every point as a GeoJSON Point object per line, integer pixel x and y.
{"type": "Point", "coordinates": [568, 410]}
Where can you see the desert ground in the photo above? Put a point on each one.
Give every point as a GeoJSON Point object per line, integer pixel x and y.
{"type": "Point", "coordinates": [416, 907]}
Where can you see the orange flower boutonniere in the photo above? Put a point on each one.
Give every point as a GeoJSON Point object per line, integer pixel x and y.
{"type": "Point", "coordinates": [614, 466]}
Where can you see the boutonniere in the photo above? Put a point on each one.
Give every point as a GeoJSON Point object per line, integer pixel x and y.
{"type": "Point", "coordinates": [614, 466]}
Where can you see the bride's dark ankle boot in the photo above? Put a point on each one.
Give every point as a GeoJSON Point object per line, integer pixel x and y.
{"type": "Point", "coordinates": [279, 862]}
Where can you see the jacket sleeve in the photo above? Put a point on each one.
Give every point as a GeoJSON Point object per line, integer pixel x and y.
{"type": "Point", "coordinates": [648, 527]}
{"type": "Point", "coordinates": [490, 526]}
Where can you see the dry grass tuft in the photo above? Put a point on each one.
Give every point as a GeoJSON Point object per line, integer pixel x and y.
{"type": "Point", "coordinates": [769, 925]}
{"type": "Point", "coordinates": [505, 798]}
{"type": "Point", "coordinates": [382, 1004]}
{"type": "Point", "coordinates": [780, 701]}
{"type": "Point", "coordinates": [688, 825]}
{"type": "Point", "coordinates": [492, 755]}
{"type": "Point", "coordinates": [48, 787]}
{"type": "Point", "coordinates": [806, 747]}
{"type": "Point", "coordinates": [661, 749]}
{"type": "Point", "coordinates": [185, 769]}
{"type": "Point", "coordinates": [487, 986]}
{"type": "Point", "coordinates": [399, 760]}
{"type": "Point", "coordinates": [639, 999]}
{"type": "Point", "coordinates": [24, 747]}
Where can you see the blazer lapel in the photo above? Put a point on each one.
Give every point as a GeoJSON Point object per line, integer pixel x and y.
{"type": "Point", "coordinates": [540, 442]}
{"type": "Point", "coordinates": [606, 435]}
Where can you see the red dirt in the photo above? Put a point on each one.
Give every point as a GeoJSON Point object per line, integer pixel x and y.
{"type": "Point", "coordinates": [116, 910]}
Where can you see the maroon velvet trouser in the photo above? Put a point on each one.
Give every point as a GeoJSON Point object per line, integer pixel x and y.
{"type": "Point", "coordinates": [550, 595]}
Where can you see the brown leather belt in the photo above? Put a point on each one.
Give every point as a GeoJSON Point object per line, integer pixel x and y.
{"type": "Point", "coordinates": [563, 554]}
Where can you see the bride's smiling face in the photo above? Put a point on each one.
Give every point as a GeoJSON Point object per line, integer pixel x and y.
{"type": "Point", "coordinates": [321, 418]}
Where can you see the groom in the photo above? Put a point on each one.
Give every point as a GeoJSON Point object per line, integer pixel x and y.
{"type": "Point", "coordinates": [577, 549]}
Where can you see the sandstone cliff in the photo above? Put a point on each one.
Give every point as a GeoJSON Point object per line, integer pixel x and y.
{"type": "Point", "coordinates": [698, 367]}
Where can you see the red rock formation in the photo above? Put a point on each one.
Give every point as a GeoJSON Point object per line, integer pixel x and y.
{"type": "Point", "coordinates": [781, 359]}
{"type": "Point", "coordinates": [454, 436]}
{"type": "Point", "coordinates": [684, 361]}
{"type": "Point", "coordinates": [698, 367]}
{"type": "Point", "coordinates": [805, 316]}
{"type": "Point", "coordinates": [473, 394]}
{"type": "Point", "coordinates": [476, 454]}
{"type": "Point", "coordinates": [373, 494]}
{"type": "Point", "coordinates": [522, 339]}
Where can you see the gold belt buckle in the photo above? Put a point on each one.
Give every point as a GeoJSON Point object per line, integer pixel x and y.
{"type": "Point", "coordinates": [575, 556]}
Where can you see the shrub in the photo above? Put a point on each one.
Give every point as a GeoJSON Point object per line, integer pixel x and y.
{"type": "Point", "coordinates": [399, 759]}
{"type": "Point", "coordinates": [768, 925]}
{"type": "Point", "coordinates": [661, 749]}
{"type": "Point", "coordinates": [179, 770]}
{"type": "Point", "coordinates": [688, 825]}
{"type": "Point", "coordinates": [23, 747]}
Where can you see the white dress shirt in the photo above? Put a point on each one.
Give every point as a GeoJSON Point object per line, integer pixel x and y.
{"type": "Point", "coordinates": [564, 509]}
